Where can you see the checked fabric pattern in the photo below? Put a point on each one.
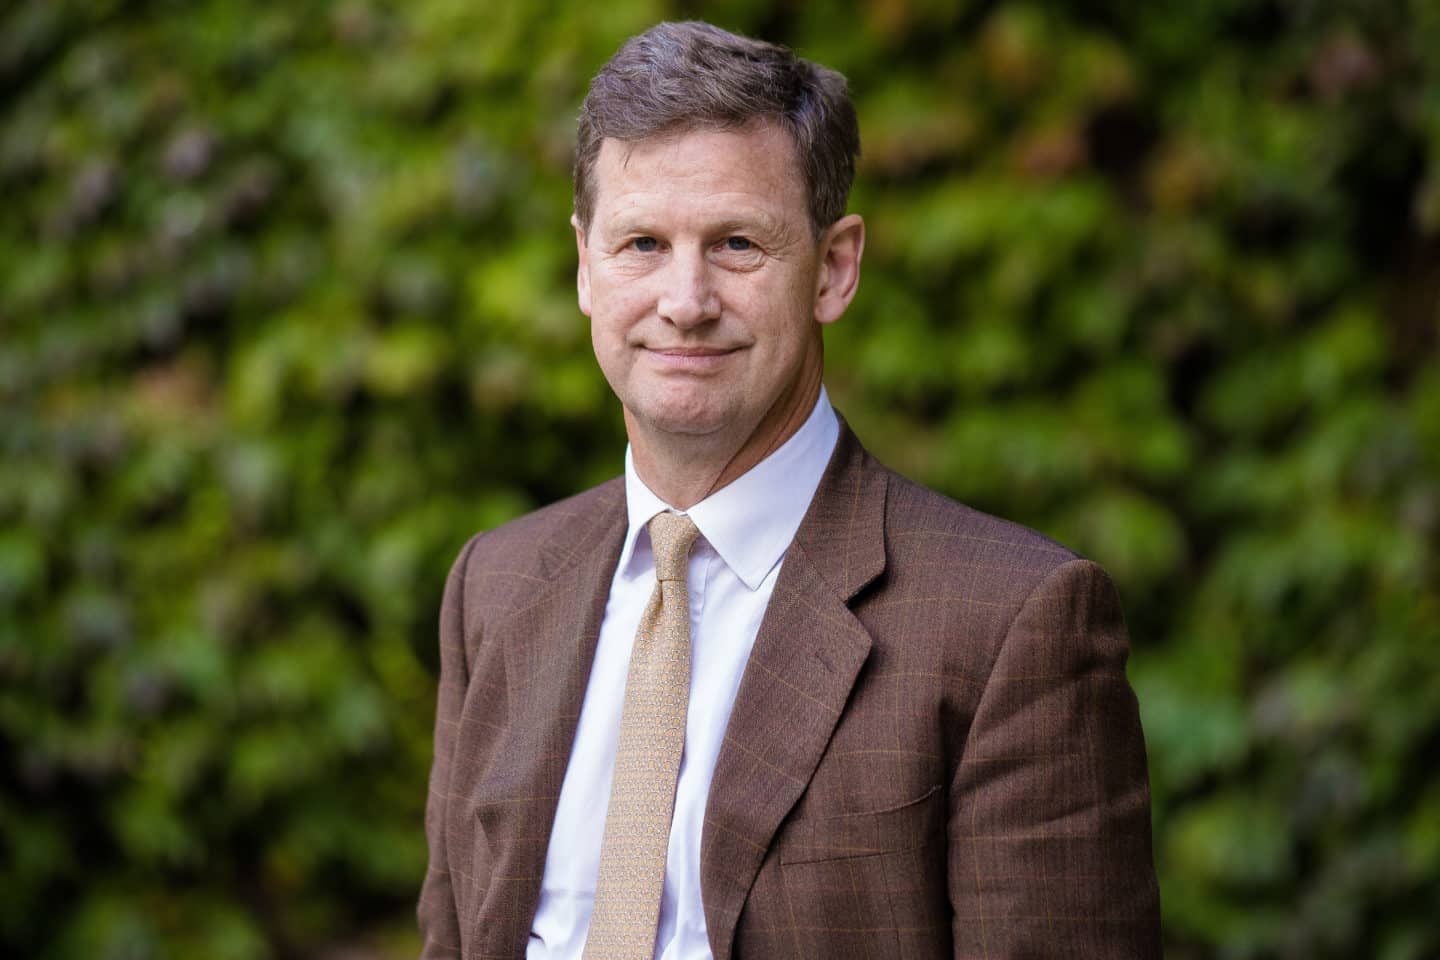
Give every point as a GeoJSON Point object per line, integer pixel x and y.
{"type": "Point", "coordinates": [934, 751]}
{"type": "Point", "coordinates": [647, 759]}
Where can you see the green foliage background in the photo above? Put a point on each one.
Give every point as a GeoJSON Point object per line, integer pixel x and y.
{"type": "Point", "coordinates": [287, 311]}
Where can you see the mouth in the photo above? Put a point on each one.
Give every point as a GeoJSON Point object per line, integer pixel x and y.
{"type": "Point", "coordinates": [690, 358]}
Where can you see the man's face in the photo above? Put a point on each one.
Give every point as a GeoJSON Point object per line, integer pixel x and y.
{"type": "Point", "coordinates": [700, 274]}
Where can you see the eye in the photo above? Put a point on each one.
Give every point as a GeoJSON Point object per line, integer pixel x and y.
{"type": "Point", "coordinates": [645, 244]}
{"type": "Point", "coordinates": [738, 244]}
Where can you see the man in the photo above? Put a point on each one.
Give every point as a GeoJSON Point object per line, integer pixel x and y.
{"type": "Point", "coordinates": [762, 697]}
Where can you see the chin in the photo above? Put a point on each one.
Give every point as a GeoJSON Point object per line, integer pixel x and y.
{"type": "Point", "coordinates": [688, 426]}
{"type": "Point", "coordinates": [685, 419]}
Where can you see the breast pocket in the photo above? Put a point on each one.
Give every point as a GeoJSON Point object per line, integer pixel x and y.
{"type": "Point", "coordinates": [898, 829]}
{"type": "Point", "coordinates": [868, 883]}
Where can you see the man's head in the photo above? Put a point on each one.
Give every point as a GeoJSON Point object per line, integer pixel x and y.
{"type": "Point", "coordinates": [682, 77]}
{"type": "Point", "coordinates": [713, 245]}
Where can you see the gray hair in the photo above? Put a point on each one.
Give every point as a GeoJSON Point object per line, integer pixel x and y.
{"type": "Point", "coordinates": [679, 77]}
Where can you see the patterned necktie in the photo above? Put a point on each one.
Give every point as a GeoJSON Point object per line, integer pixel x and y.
{"type": "Point", "coordinates": [647, 759]}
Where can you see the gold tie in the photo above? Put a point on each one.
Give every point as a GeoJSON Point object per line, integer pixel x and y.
{"type": "Point", "coordinates": [647, 758]}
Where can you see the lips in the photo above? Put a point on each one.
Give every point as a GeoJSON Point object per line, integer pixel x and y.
{"type": "Point", "coordinates": [689, 358]}
{"type": "Point", "coordinates": [692, 351]}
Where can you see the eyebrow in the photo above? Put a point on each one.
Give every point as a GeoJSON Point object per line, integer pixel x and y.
{"type": "Point", "coordinates": [764, 222]}
{"type": "Point", "coordinates": [754, 222]}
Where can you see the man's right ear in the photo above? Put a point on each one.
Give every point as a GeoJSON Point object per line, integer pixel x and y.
{"type": "Point", "coordinates": [582, 272]}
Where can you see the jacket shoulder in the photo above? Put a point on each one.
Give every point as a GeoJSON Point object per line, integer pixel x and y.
{"type": "Point", "coordinates": [975, 572]}
{"type": "Point", "coordinates": [567, 519]}
{"type": "Point", "coordinates": [925, 526]}
{"type": "Point", "coordinates": [536, 544]}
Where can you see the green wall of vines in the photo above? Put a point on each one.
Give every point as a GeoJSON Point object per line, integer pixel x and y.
{"type": "Point", "coordinates": [287, 312]}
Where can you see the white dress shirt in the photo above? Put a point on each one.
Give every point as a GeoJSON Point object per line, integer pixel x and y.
{"type": "Point", "coordinates": [745, 528]}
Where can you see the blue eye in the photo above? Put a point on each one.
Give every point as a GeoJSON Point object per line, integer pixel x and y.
{"type": "Point", "coordinates": [737, 243]}
{"type": "Point", "coordinates": [645, 244]}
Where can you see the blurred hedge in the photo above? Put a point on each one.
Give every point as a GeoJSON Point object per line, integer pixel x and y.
{"type": "Point", "coordinates": [286, 312]}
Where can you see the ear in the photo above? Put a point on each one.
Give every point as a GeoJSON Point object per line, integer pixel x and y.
{"type": "Point", "coordinates": [582, 272]}
{"type": "Point", "coordinates": [839, 277]}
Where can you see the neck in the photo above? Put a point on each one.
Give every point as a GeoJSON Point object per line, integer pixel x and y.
{"type": "Point", "coordinates": [682, 470]}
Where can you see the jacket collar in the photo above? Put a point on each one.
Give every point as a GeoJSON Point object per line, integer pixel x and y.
{"type": "Point", "coordinates": [843, 532]}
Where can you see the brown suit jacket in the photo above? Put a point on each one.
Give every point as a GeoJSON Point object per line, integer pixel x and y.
{"type": "Point", "coordinates": [934, 751]}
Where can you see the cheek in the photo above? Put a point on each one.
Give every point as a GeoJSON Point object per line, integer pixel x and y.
{"type": "Point", "coordinates": [612, 320]}
{"type": "Point", "coordinates": [780, 316]}
{"type": "Point", "coordinates": [616, 302]}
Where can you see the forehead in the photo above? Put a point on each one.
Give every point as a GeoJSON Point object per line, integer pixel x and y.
{"type": "Point", "coordinates": [753, 167]}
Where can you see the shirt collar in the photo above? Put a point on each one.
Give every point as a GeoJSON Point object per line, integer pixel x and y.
{"type": "Point", "coordinates": [751, 521]}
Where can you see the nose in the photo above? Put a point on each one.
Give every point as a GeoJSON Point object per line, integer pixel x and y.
{"type": "Point", "coordinates": [688, 297]}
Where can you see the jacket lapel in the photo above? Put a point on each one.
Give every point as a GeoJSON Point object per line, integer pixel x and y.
{"type": "Point", "coordinates": [550, 645]}
{"type": "Point", "coordinates": [807, 655]}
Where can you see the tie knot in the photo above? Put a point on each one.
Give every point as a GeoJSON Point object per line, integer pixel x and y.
{"type": "Point", "coordinates": [671, 536]}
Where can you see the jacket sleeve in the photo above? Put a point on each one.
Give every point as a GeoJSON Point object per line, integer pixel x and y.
{"type": "Point", "coordinates": [437, 912]}
{"type": "Point", "coordinates": [1049, 810]}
